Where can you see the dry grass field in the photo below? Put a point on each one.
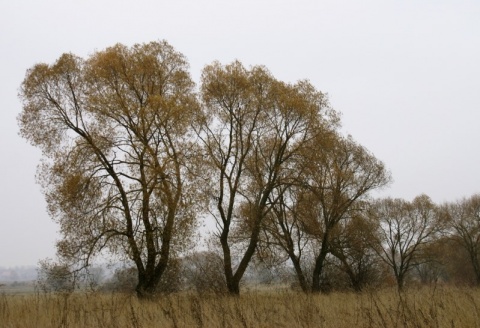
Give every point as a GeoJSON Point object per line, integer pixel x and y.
{"type": "Point", "coordinates": [423, 307]}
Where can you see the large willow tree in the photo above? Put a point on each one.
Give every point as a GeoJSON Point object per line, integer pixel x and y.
{"type": "Point", "coordinates": [254, 130]}
{"type": "Point", "coordinates": [115, 134]}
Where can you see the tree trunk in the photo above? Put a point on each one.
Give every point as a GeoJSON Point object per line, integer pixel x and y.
{"type": "Point", "coordinates": [319, 263]}
{"type": "Point", "coordinates": [355, 279]}
{"type": "Point", "coordinates": [145, 290]}
{"type": "Point", "coordinates": [148, 281]}
{"type": "Point", "coordinates": [400, 281]}
{"type": "Point", "coordinates": [233, 287]}
{"type": "Point", "coordinates": [233, 279]}
{"type": "Point", "coordinates": [317, 271]}
{"type": "Point", "coordinates": [475, 263]}
{"type": "Point", "coordinates": [299, 272]}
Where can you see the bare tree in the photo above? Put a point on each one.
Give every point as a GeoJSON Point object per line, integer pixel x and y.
{"type": "Point", "coordinates": [464, 218]}
{"type": "Point", "coordinates": [115, 134]}
{"type": "Point", "coordinates": [404, 228]}
{"type": "Point", "coordinates": [204, 272]}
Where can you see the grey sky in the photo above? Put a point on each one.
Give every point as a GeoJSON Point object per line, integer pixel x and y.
{"type": "Point", "coordinates": [405, 74]}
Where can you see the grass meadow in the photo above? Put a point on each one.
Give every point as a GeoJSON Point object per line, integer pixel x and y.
{"type": "Point", "coordinates": [421, 307]}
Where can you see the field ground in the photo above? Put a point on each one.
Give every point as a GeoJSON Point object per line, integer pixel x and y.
{"type": "Point", "coordinates": [421, 307]}
{"type": "Point", "coordinates": [16, 288]}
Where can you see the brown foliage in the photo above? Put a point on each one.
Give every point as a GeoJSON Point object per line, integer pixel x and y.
{"type": "Point", "coordinates": [253, 130]}
{"type": "Point", "coordinates": [404, 230]}
{"type": "Point", "coordinates": [464, 219]}
{"type": "Point", "coordinates": [337, 175]}
{"type": "Point", "coordinates": [114, 131]}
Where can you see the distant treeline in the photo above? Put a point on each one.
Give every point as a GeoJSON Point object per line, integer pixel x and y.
{"type": "Point", "coordinates": [20, 273]}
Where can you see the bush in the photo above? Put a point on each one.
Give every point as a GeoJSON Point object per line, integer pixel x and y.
{"type": "Point", "coordinates": [54, 277]}
{"type": "Point", "coordinates": [203, 272]}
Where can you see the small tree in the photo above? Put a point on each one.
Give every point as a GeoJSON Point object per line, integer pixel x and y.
{"type": "Point", "coordinates": [464, 219]}
{"type": "Point", "coordinates": [123, 280]}
{"type": "Point", "coordinates": [352, 246]}
{"type": "Point", "coordinates": [204, 272]}
{"type": "Point", "coordinates": [403, 229]}
{"type": "Point", "coordinates": [54, 277]}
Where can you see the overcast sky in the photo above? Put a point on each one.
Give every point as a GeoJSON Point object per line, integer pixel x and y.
{"type": "Point", "coordinates": [405, 75]}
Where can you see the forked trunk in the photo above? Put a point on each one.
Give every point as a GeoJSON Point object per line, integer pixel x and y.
{"type": "Point", "coordinates": [233, 287]}
{"type": "Point", "coordinates": [148, 282]}
{"type": "Point", "coordinates": [319, 264]}
{"type": "Point", "coordinates": [233, 279]}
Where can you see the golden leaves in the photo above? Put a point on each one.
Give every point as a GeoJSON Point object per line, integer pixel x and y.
{"type": "Point", "coordinates": [115, 132]}
{"type": "Point", "coordinates": [130, 148]}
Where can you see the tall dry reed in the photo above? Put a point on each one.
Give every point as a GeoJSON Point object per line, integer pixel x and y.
{"type": "Point", "coordinates": [424, 307]}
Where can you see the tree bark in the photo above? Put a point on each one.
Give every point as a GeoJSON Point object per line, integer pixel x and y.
{"type": "Point", "coordinates": [300, 275]}
{"type": "Point", "coordinates": [319, 263]}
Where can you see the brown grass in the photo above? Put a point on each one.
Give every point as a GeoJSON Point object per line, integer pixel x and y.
{"type": "Point", "coordinates": [425, 307]}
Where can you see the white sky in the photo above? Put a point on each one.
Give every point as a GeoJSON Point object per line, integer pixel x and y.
{"type": "Point", "coordinates": [404, 73]}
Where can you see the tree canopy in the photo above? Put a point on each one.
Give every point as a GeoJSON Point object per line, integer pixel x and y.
{"type": "Point", "coordinates": [134, 155]}
{"type": "Point", "coordinates": [115, 131]}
